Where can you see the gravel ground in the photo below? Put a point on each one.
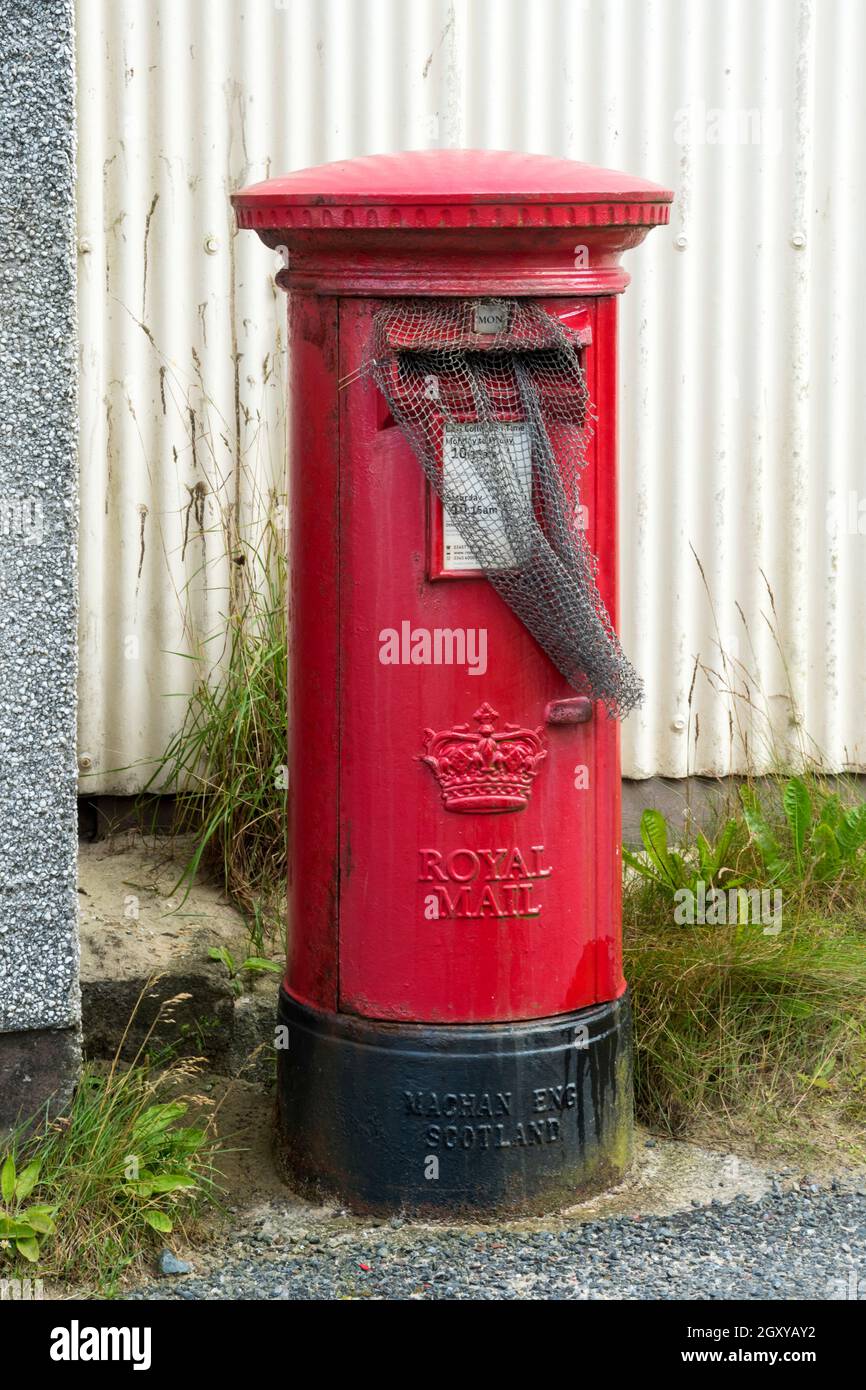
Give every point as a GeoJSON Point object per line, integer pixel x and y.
{"type": "Point", "coordinates": [807, 1242]}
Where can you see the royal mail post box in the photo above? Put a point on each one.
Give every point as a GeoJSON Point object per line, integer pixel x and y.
{"type": "Point", "coordinates": [455, 1019]}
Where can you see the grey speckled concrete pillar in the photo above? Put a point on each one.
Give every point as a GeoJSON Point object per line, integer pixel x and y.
{"type": "Point", "coordinates": [39, 1001]}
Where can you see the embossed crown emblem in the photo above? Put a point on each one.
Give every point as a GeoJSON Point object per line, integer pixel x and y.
{"type": "Point", "coordinates": [485, 770]}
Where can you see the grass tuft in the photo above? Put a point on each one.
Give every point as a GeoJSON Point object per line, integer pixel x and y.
{"type": "Point", "coordinates": [227, 763]}
{"type": "Point", "coordinates": [741, 1031]}
{"type": "Point", "coordinates": [89, 1196]}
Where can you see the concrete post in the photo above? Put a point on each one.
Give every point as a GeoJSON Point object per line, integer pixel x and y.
{"type": "Point", "coordinates": [39, 997]}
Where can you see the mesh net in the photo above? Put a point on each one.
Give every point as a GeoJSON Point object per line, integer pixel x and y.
{"type": "Point", "coordinates": [491, 396]}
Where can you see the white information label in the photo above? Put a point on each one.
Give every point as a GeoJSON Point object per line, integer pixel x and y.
{"type": "Point", "coordinates": [463, 449]}
{"type": "Point", "coordinates": [490, 318]}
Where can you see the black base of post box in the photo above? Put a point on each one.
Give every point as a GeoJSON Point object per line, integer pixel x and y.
{"type": "Point", "coordinates": [473, 1119]}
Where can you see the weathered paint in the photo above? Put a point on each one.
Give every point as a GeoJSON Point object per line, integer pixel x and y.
{"type": "Point", "coordinates": [517, 1119]}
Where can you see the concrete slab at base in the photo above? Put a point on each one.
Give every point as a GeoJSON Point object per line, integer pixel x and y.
{"type": "Point", "coordinates": [38, 1072]}
{"type": "Point", "coordinates": [705, 800]}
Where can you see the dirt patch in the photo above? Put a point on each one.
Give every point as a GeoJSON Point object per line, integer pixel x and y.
{"type": "Point", "coordinates": [141, 933]}
{"type": "Point", "coordinates": [134, 920]}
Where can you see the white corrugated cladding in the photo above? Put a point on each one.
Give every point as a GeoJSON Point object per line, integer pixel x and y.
{"type": "Point", "coordinates": [743, 497]}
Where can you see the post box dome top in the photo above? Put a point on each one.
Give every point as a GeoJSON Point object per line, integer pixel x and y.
{"type": "Point", "coordinates": [452, 188]}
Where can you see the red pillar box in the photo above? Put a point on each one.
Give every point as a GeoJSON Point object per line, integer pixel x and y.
{"type": "Point", "coordinates": [457, 1019]}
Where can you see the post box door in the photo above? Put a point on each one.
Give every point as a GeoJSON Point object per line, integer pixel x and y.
{"type": "Point", "coordinates": [456, 906]}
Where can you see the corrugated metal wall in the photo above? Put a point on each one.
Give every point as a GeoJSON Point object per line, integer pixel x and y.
{"type": "Point", "coordinates": [742, 401]}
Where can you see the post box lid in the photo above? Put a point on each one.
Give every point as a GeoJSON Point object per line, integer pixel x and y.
{"type": "Point", "coordinates": [453, 188]}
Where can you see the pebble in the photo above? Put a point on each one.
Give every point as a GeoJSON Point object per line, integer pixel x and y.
{"type": "Point", "coordinates": [785, 1245]}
